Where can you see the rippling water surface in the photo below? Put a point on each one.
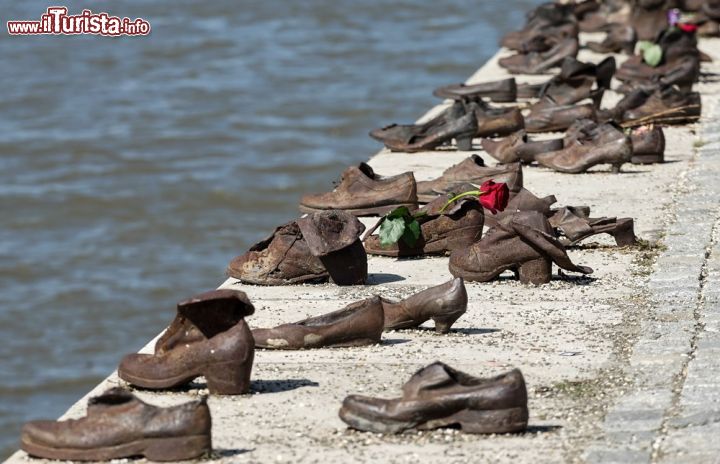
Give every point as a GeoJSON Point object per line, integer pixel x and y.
{"type": "Point", "coordinates": [133, 169]}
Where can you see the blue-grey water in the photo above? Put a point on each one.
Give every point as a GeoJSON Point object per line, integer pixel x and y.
{"type": "Point", "coordinates": [133, 169]}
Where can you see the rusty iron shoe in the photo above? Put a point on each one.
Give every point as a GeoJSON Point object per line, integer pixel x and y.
{"type": "Point", "coordinates": [219, 347]}
{"type": "Point", "coordinates": [608, 144]}
{"type": "Point", "coordinates": [471, 170]}
{"type": "Point", "coordinates": [455, 123]}
{"type": "Point", "coordinates": [523, 242]}
{"type": "Point", "coordinates": [540, 62]}
{"type": "Point", "coordinates": [119, 425]}
{"type": "Point", "coordinates": [519, 148]}
{"type": "Point", "coordinates": [444, 304]}
{"type": "Point", "coordinates": [648, 144]}
{"type": "Point", "coordinates": [550, 117]}
{"type": "Point", "coordinates": [440, 396]}
{"type": "Point", "coordinates": [362, 192]}
{"type": "Point", "coordinates": [665, 106]}
{"type": "Point", "coordinates": [358, 324]}
{"type": "Point", "coordinates": [620, 38]}
{"type": "Point", "coordinates": [503, 91]}
{"type": "Point", "coordinates": [457, 226]}
{"type": "Point", "coordinates": [574, 225]}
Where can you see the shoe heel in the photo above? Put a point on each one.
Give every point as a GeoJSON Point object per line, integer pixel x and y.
{"type": "Point", "coordinates": [537, 271]}
{"type": "Point", "coordinates": [464, 142]}
{"type": "Point", "coordinates": [625, 235]}
{"type": "Point", "coordinates": [616, 168]}
{"type": "Point", "coordinates": [443, 324]}
{"type": "Point", "coordinates": [492, 421]}
{"type": "Point", "coordinates": [177, 449]}
{"type": "Point", "coordinates": [229, 378]}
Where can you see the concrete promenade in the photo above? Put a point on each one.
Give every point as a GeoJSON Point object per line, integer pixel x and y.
{"type": "Point", "coordinates": [622, 365]}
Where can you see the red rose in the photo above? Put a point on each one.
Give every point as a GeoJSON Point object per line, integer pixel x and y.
{"type": "Point", "coordinates": [494, 197]}
{"type": "Point", "coordinates": [687, 27]}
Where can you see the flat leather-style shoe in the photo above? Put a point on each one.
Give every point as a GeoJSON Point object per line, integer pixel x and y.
{"type": "Point", "coordinates": [665, 106]}
{"type": "Point", "coordinates": [472, 170]}
{"type": "Point", "coordinates": [648, 145]}
{"type": "Point", "coordinates": [523, 242]}
{"type": "Point", "coordinates": [457, 226]}
{"type": "Point", "coordinates": [444, 304]}
{"type": "Point", "coordinates": [577, 81]}
{"type": "Point", "coordinates": [119, 425]}
{"type": "Point", "coordinates": [439, 396]}
{"type": "Point", "coordinates": [620, 38]}
{"type": "Point", "coordinates": [362, 192]}
{"type": "Point", "coordinates": [541, 62]}
{"type": "Point", "coordinates": [519, 148]}
{"type": "Point", "coordinates": [608, 144]}
{"type": "Point", "coordinates": [503, 91]}
{"type": "Point", "coordinates": [219, 347]}
{"type": "Point", "coordinates": [550, 117]}
{"type": "Point", "coordinates": [575, 225]}
{"type": "Point", "coordinates": [358, 324]}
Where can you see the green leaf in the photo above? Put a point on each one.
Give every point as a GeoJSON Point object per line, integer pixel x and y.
{"type": "Point", "coordinates": [643, 45]}
{"type": "Point", "coordinates": [400, 212]}
{"type": "Point", "coordinates": [653, 55]}
{"type": "Point", "coordinates": [391, 230]}
{"type": "Point", "coordinates": [411, 233]}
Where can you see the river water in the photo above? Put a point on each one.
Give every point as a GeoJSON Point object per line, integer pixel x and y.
{"type": "Point", "coordinates": [132, 169]}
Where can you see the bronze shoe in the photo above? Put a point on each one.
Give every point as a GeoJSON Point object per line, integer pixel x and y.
{"type": "Point", "coordinates": [524, 200]}
{"type": "Point", "coordinates": [608, 145]}
{"type": "Point", "coordinates": [620, 38]}
{"type": "Point", "coordinates": [220, 348]}
{"type": "Point", "coordinates": [495, 122]}
{"type": "Point", "coordinates": [519, 148]}
{"type": "Point", "coordinates": [648, 145]}
{"type": "Point", "coordinates": [440, 396]}
{"type": "Point", "coordinates": [539, 63]}
{"type": "Point", "coordinates": [444, 304]}
{"type": "Point", "coordinates": [665, 106]}
{"type": "Point", "coordinates": [575, 226]}
{"type": "Point", "coordinates": [545, 16]}
{"type": "Point", "coordinates": [577, 81]}
{"type": "Point", "coordinates": [358, 324]}
{"type": "Point", "coordinates": [119, 425]}
{"type": "Point", "coordinates": [362, 192]}
{"type": "Point", "coordinates": [472, 170]}
{"type": "Point", "coordinates": [524, 242]}
{"type": "Point", "coordinates": [498, 91]}
{"type": "Point", "coordinates": [454, 123]}
{"type": "Point", "coordinates": [553, 118]}
{"type": "Point", "coordinates": [648, 17]}
{"type": "Point", "coordinates": [458, 226]}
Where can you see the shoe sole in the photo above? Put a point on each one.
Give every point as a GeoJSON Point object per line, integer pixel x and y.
{"type": "Point", "coordinates": [371, 211]}
{"type": "Point", "coordinates": [647, 159]}
{"type": "Point", "coordinates": [154, 449]}
{"type": "Point", "coordinates": [509, 420]}
{"type": "Point", "coordinates": [346, 344]}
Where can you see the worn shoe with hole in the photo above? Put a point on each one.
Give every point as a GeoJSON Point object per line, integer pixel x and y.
{"type": "Point", "coordinates": [439, 396]}
{"type": "Point", "coordinates": [444, 304]}
{"type": "Point", "coordinates": [358, 324]}
{"type": "Point", "coordinates": [472, 170]}
{"type": "Point", "coordinates": [362, 192]}
{"type": "Point", "coordinates": [119, 425]}
{"type": "Point", "coordinates": [524, 242]}
{"type": "Point", "coordinates": [211, 341]}
{"type": "Point", "coordinates": [459, 225]}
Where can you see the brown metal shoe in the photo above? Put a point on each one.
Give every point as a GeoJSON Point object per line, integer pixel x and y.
{"type": "Point", "coordinates": [648, 145]}
{"type": "Point", "coordinates": [683, 72]}
{"type": "Point", "coordinates": [524, 242]}
{"type": "Point", "coordinates": [577, 81]}
{"type": "Point", "coordinates": [607, 145]}
{"type": "Point", "coordinates": [358, 324]}
{"type": "Point", "coordinates": [444, 304]}
{"type": "Point", "coordinates": [665, 106]}
{"type": "Point", "coordinates": [362, 192]}
{"type": "Point", "coordinates": [495, 122]}
{"type": "Point", "coordinates": [454, 123]}
{"type": "Point", "coordinates": [554, 118]}
{"type": "Point", "coordinates": [440, 396]}
{"type": "Point", "coordinates": [574, 226]}
{"type": "Point", "coordinates": [648, 17]}
{"type": "Point", "coordinates": [620, 38]}
{"type": "Point", "coordinates": [283, 258]}
{"type": "Point", "coordinates": [503, 91]}
{"type": "Point", "coordinates": [545, 16]}
{"type": "Point", "coordinates": [119, 425]}
{"type": "Point", "coordinates": [519, 148]}
{"type": "Point", "coordinates": [220, 348]}
{"type": "Point", "coordinates": [539, 63]}
{"type": "Point", "coordinates": [458, 226]}
{"type": "Point", "coordinates": [471, 170]}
